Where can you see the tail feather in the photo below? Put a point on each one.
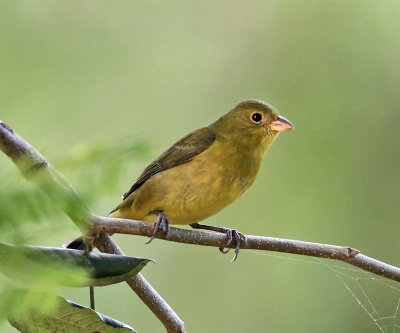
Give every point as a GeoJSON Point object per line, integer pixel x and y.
{"type": "Point", "coordinates": [76, 244]}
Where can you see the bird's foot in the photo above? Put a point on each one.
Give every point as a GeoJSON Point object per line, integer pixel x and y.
{"type": "Point", "coordinates": [232, 234]}
{"type": "Point", "coordinates": [161, 224]}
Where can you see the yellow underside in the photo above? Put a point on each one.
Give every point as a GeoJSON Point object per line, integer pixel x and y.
{"type": "Point", "coordinates": [195, 190]}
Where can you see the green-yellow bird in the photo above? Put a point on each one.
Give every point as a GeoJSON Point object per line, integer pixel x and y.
{"type": "Point", "coordinates": [205, 171]}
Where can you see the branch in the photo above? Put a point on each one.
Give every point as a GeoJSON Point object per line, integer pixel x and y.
{"type": "Point", "coordinates": [346, 254]}
{"type": "Point", "coordinates": [104, 225]}
{"type": "Point", "coordinates": [34, 167]}
{"type": "Point", "coordinates": [144, 290]}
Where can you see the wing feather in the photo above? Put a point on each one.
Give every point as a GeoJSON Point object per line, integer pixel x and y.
{"type": "Point", "coordinates": [181, 152]}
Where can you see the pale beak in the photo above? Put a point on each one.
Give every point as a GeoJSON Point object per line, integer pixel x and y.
{"type": "Point", "coordinates": [280, 124]}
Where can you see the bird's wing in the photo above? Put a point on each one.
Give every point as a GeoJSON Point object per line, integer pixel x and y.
{"type": "Point", "coordinates": [181, 152]}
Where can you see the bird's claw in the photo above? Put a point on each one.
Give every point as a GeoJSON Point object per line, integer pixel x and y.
{"type": "Point", "coordinates": [161, 224]}
{"type": "Point", "coordinates": [223, 250]}
{"type": "Point", "coordinates": [233, 234]}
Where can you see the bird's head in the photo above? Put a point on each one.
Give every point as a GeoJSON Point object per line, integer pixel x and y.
{"type": "Point", "coordinates": [252, 121]}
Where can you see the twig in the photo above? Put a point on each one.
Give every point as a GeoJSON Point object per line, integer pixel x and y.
{"type": "Point", "coordinates": [91, 288]}
{"type": "Point", "coordinates": [342, 253]}
{"type": "Point", "coordinates": [104, 225]}
{"type": "Point", "coordinates": [144, 290]}
{"type": "Point", "coordinates": [34, 167]}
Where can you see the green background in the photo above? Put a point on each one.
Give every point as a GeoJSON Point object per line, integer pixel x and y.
{"type": "Point", "coordinates": [112, 72]}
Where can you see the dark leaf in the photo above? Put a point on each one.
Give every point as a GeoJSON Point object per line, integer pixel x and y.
{"type": "Point", "coordinates": [67, 267]}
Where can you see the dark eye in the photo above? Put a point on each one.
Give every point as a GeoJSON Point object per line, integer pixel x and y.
{"type": "Point", "coordinates": [256, 117]}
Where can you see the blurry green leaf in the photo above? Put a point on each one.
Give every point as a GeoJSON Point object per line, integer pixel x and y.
{"type": "Point", "coordinates": [41, 267]}
{"type": "Point", "coordinates": [97, 168]}
{"type": "Point", "coordinates": [13, 301]}
{"type": "Point", "coordinates": [21, 201]}
{"type": "Point", "coordinates": [67, 317]}
{"type": "Point", "coordinates": [93, 153]}
{"type": "Point", "coordinates": [67, 267]}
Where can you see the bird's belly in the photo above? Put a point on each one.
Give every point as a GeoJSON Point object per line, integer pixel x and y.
{"type": "Point", "coordinates": [196, 202]}
{"type": "Point", "coordinates": [200, 201]}
{"type": "Point", "coordinates": [188, 197]}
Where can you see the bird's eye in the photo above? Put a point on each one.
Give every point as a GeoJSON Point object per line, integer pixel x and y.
{"type": "Point", "coordinates": [256, 117]}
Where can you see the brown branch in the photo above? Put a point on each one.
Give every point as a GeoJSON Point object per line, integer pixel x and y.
{"type": "Point", "coordinates": [145, 291]}
{"type": "Point", "coordinates": [34, 167]}
{"type": "Point", "coordinates": [104, 225]}
{"type": "Point", "coordinates": [342, 253]}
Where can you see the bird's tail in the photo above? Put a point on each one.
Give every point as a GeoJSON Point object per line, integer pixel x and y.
{"type": "Point", "coordinates": [76, 244]}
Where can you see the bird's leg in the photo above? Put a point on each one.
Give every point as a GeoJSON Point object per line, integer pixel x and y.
{"type": "Point", "coordinates": [232, 234]}
{"type": "Point", "coordinates": [161, 224]}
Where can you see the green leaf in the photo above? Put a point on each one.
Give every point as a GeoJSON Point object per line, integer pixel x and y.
{"type": "Point", "coordinates": [103, 152]}
{"type": "Point", "coordinates": [16, 301]}
{"type": "Point", "coordinates": [67, 317]}
{"type": "Point", "coordinates": [58, 266]}
{"type": "Point", "coordinates": [20, 202]}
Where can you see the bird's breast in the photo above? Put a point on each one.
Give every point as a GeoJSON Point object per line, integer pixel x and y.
{"type": "Point", "coordinates": [210, 182]}
{"type": "Point", "coordinates": [195, 190]}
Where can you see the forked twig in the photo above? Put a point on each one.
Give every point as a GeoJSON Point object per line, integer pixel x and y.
{"type": "Point", "coordinates": [34, 167]}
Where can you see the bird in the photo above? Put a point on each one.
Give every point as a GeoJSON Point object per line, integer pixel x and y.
{"type": "Point", "coordinates": [204, 172]}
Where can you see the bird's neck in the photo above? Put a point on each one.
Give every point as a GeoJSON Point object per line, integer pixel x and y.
{"type": "Point", "coordinates": [251, 146]}
{"type": "Point", "coordinates": [246, 154]}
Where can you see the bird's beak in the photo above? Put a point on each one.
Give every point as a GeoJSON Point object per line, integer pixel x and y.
{"type": "Point", "coordinates": [280, 124]}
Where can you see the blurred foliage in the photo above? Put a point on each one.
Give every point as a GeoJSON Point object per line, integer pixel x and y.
{"type": "Point", "coordinates": [21, 202]}
{"type": "Point", "coordinates": [43, 267]}
{"type": "Point", "coordinates": [67, 317]}
{"type": "Point", "coordinates": [23, 205]}
{"type": "Point", "coordinates": [78, 72]}
{"type": "Point", "coordinates": [94, 167]}
{"type": "Point", "coordinates": [16, 302]}
{"type": "Point", "coordinates": [100, 166]}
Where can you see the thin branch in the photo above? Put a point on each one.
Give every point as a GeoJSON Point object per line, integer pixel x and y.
{"type": "Point", "coordinates": [144, 290]}
{"type": "Point", "coordinates": [104, 225]}
{"type": "Point", "coordinates": [342, 253]}
{"type": "Point", "coordinates": [34, 167]}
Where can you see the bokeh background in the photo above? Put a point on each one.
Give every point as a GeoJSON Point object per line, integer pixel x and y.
{"type": "Point", "coordinates": [83, 79]}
